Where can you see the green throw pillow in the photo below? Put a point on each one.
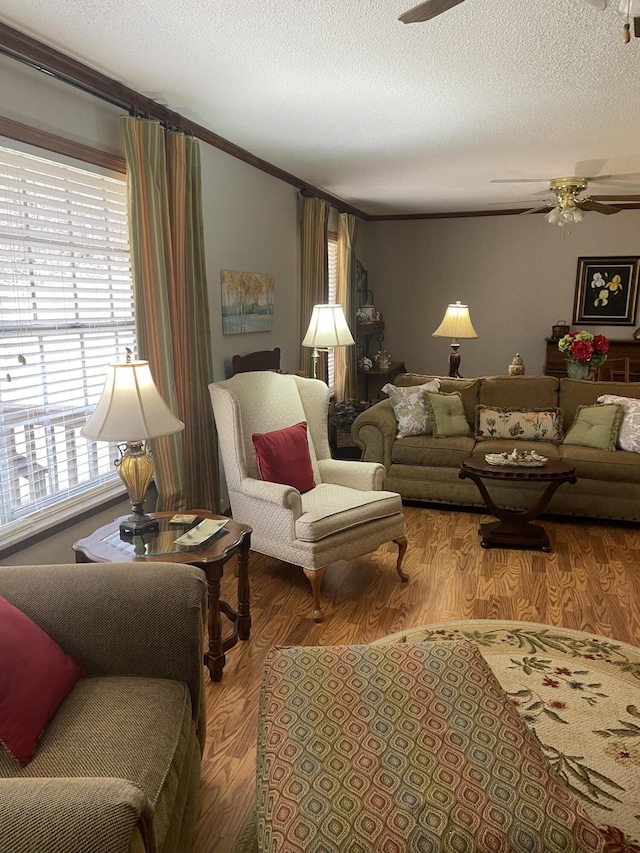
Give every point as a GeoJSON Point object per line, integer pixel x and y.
{"type": "Point", "coordinates": [447, 414]}
{"type": "Point", "coordinates": [596, 426]}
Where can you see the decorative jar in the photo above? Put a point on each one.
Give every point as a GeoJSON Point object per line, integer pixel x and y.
{"type": "Point", "coordinates": [383, 360]}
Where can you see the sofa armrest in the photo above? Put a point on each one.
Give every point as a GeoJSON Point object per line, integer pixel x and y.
{"type": "Point", "coordinates": [137, 618]}
{"type": "Point", "coordinates": [74, 815]}
{"type": "Point", "coordinates": [374, 431]}
{"type": "Point", "coordinates": [367, 476]}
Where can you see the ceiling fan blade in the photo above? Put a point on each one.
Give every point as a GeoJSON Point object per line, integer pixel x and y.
{"type": "Point", "coordinates": [520, 201]}
{"type": "Point", "coordinates": [538, 209]}
{"type": "Point", "coordinates": [428, 10]}
{"type": "Point", "coordinates": [615, 197]}
{"type": "Point", "coordinates": [589, 204]}
{"type": "Point", "coordinates": [600, 5]}
{"type": "Point", "coordinates": [599, 179]}
{"type": "Point", "coordinates": [519, 180]}
{"type": "Point", "coordinates": [589, 167]}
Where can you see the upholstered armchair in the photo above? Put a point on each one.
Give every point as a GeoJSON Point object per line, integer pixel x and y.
{"type": "Point", "coordinates": [117, 769]}
{"type": "Point", "coordinates": [345, 515]}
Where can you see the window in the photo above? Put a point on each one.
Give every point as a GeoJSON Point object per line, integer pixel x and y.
{"type": "Point", "coordinates": [332, 253]}
{"type": "Point", "coordinates": [65, 312]}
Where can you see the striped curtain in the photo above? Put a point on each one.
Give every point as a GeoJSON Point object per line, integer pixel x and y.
{"type": "Point", "coordinates": [171, 305]}
{"type": "Point", "coordinates": [344, 358]}
{"type": "Point", "coordinates": [315, 272]}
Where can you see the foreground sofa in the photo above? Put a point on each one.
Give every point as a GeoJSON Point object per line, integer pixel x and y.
{"type": "Point", "coordinates": [425, 468]}
{"type": "Point", "coordinates": [117, 770]}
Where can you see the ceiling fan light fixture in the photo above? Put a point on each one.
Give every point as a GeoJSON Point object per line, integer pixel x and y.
{"type": "Point", "coordinates": [553, 216]}
{"type": "Point", "coordinates": [564, 213]}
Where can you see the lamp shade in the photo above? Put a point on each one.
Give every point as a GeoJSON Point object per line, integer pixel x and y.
{"type": "Point", "coordinates": [130, 407]}
{"type": "Point", "coordinates": [328, 328]}
{"type": "Point", "coordinates": [456, 323]}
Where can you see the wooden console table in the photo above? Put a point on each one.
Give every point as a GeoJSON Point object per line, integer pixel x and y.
{"type": "Point", "coordinates": [106, 546]}
{"type": "Point", "coordinates": [556, 362]}
{"type": "Point", "coordinates": [380, 378]}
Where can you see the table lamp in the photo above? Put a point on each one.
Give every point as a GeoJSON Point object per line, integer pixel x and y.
{"type": "Point", "coordinates": [456, 323]}
{"type": "Point", "coordinates": [327, 328]}
{"type": "Point", "coordinates": [132, 411]}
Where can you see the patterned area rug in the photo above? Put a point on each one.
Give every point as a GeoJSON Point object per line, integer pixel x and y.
{"type": "Point", "coordinates": [580, 694]}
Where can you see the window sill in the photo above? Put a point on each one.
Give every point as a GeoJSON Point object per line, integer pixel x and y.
{"type": "Point", "coordinates": [37, 526]}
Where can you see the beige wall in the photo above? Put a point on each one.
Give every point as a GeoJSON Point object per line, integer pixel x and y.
{"type": "Point", "coordinates": [250, 222]}
{"type": "Point", "coordinates": [517, 273]}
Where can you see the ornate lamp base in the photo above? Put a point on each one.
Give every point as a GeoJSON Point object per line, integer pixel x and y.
{"type": "Point", "coordinates": [454, 361]}
{"type": "Point", "coordinates": [135, 468]}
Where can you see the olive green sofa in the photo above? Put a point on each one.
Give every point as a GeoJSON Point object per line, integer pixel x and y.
{"type": "Point", "coordinates": [425, 468]}
{"type": "Point", "coordinates": [117, 769]}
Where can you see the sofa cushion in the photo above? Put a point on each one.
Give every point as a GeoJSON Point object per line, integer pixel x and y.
{"type": "Point", "coordinates": [35, 677]}
{"type": "Point", "coordinates": [409, 408]}
{"type": "Point", "coordinates": [447, 414]}
{"type": "Point", "coordinates": [398, 747]}
{"type": "Point", "coordinates": [523, 392]}
{"type": "Point", "coordinates": [139, 729]}
{"type": "Point", "coordinates": [432, 452]}
{"type": "Point", "coordinates": [629, 435]}
{"type": "Point", "coordinates": [596, 426]}
{"type": "Point", "coordinates": [618, 466]}
{"type": "Point", "coordinates": [506, 445]}
{"type": "Point", "coordinates": [518, 424]}
{"type": "Point", "coordinates": [283, 457]}
{"type": "Point", "coordinates": [577, 392]}
{"type": "Point", "coordinates": [469, 389]}
{"type": "Point", "coordinates": [322, 505]}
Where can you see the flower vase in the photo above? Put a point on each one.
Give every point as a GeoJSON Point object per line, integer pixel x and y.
{"type": "Point", "coordinates": [578, 370]}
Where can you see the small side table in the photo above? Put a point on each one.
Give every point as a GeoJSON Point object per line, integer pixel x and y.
{"type": "Point", "coordinates": [106, 546]}
{"type": "Point", "coordinates": [514, 528]}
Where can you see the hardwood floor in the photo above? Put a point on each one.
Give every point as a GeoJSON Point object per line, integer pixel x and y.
{"type": "Point", "coordinates": [591, 582]}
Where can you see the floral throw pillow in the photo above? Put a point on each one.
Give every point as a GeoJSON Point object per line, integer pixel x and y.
{"type": "Point", "coordinates": [629, 435]}
{"type": "Point", "coordinates": [409, 408]}
{"type": "Point", "coordinates": [518, 424]}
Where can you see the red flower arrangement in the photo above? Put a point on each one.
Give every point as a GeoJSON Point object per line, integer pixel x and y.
{"type": "Point", "coordinates": [585, 348]}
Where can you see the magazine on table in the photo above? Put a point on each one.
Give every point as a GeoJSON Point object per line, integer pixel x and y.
{"type": "Point", "coordinates": [207, 530]}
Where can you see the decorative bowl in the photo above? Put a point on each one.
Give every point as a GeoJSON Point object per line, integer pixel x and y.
{"type": "Point", "coordinates": [517, 459]}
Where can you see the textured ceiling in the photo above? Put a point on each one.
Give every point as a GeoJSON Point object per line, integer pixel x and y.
{"type": "Point", "coordinates": [392, 118]}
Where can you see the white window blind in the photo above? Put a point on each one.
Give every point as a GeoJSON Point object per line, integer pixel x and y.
{"type": "Point", "coordinates": [332, 253]}
{"type": "Point", "coordinates": [65, 312]}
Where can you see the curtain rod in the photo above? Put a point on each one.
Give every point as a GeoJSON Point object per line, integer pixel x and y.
{"type": "Point", "coordinates": [48, 60]}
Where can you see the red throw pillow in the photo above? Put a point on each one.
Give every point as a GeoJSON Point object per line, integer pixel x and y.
{"type": "Point", "coordinates": [35, 677]}
{"type": "Point", "coordinates": [283, 457]}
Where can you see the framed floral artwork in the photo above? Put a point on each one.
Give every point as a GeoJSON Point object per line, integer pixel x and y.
{"type": "Point", "coordinates": [606, 291]}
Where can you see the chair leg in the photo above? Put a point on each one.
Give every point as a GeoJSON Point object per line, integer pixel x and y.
{"type": "Point", "coordinates": [401, 542]}
{"type": "Point", "coordinates": [315, 579]}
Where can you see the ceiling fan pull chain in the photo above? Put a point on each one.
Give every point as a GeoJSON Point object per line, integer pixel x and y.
{"type": "Point", "coordinates": [626, 35]}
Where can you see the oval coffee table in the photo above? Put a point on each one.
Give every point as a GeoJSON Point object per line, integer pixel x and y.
{"type": "Point", "coordinates": [514, 528]}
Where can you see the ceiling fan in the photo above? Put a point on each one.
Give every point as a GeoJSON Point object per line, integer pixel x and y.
{"type": "Point", "coordinates": [569, 202]}
{"type": "Point", "coordinates": [629, 9]}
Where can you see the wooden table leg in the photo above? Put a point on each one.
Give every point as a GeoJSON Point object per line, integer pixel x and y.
{"type": "Point", "coordinates": [514, 528]}
{"type": "Point", "coordinates": [215, 659]}
{"type": "Point", "coordinates": [244, 614]}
